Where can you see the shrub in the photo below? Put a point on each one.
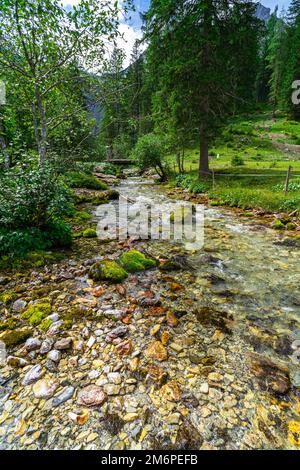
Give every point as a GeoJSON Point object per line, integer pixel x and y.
{"type": "Point", "coordinates": [149, 152]}
{"type": "Point", "coordinates": [32, 198]}
{"type": "Point", "coordinates": [20, 241]}
{"type": "Point", "coordinates": [237, 161]}
{"type": "Point", "coordinates": [77, 179]}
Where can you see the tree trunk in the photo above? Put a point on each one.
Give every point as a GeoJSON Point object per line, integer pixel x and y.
{"type": "Point", "coordinates": [203, 161]}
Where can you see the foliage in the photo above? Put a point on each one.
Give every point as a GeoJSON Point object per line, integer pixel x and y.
{"type": "Point", "coordinates": [32, 198]}
{"type": "Point", "coordinates": [149, 152]}
{"type": "Point", "coordinates": [237, 161]}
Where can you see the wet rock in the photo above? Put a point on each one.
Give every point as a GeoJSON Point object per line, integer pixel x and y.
{"type": "Point", "coordinates": [14, 361]}
{"type": "Point", "coordinates": [157, 351]}
{"type": "Point", "coordinates": [54, 355]}
{"type": "Point", "coordinates": [124, 348]}
{"type": "Point", "coordinates": [92, 395]}
{"type": "Point", "coordinates": [171, 391]}
{"type": "Point", "coordinates": [32, 344]}
{"type": "Point", "coordinates": [208, 316]}
{"type": "Point", "coordinates": [113, 424]}
{"type": "Point", "coordinates": [149, 302]}
{"type": "Point", "coordinates": [271, 375]}
{"type": "Point", "coordinates": [55, 328]}
{"type": "Point", "coordinates": [63, 344]}
{"type": "Point", "coordinates": [171, 319]}
{"type": "Point", "coordinates": [51, 366]}
{"type": "Point", "coordinates": [14, 337]}
{"type": "Point", "coordinates": [64, 396]}
{"type": "Point", "coordinates": [188, 438]}
{"type": "Point", "coordinates": [45, 388]}
{"type": "Point", "coordinates": [117, 332]}
{"type": "Point", "coordinates": [34, 374]}
{"type": "Point", "coordinates": [111, 389]}
{"type": "Point", "coordinates": [46, 346]}
{"type": "Point", "coordinates": [295, 378]}
{"type": "Point", "coordinates": [19, 305]}
{"type": "Point", "coordinates": [196, 358]}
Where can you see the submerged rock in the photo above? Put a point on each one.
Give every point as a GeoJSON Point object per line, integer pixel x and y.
{"type": "Point", "coordinates": [92, 395]}
{"type": "Point", "coordinates": [64, 396]}
{"type": "Point", "coordinates": [271, 375]}
{"type": "Point", "coordinates": [45, 388]}
{"type": "Point", "coordinates": [34, 374]}
{"type": "Point", "coordinates": [157, 351]}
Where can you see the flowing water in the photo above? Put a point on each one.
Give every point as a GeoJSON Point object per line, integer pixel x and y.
{"type": "Point", "coordinates": [243, 285]}
{"type": "Point", "coordinates": [214, 366]}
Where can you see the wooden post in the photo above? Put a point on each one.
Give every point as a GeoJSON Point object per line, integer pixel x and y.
{"type": "Point", "coordinates": [213, 179]}
{"type": "Point", "coordinates": [286, 188]}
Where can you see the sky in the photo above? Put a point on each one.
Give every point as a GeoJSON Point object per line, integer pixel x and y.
{"type": "Point", "coordinates": [131, 28]}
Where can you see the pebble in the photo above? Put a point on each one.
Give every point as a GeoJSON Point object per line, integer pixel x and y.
{"type": "Point", "coordinates": [54, 355]}
{"type": "Point", "coordinates": [46, 346]}
{"type": "Point", "coordinates": [64, 343]}
{"type": "Point", "coordinates": [19, 305]}
{"type": "Point", "coordinates": [45, 388]}
{"type": "Point", "coordinates": [34, 374]}
{"type": "Point", "coordinates": [64, 396]}
{"type": "Point", "coordinates": [32, 344]}
{"type": "Point", "coordinates": [92, 395]}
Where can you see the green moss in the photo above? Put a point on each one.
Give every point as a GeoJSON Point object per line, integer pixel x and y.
{"type": "Point", "coordinates": [84, 180]}
{"type": "Point", "coordinates": [8, 297]}
{"type": "Point", "coordinates": [12, 338]}
{"type": "Point", "coordinates": [290, 226]}
{"type": "Point", "coordinates": [134, 260]}
{"type": "Point", "coordinates": [93, 198]}
{"type": "Point", "coordinates": [278, 225]}
{"type": "Point", "coordinates": [8, 325]}
{"type": "Point", "coordinates": [89, 233]}
{"type": "Point", "coordinates": [107, 270]}
{"type": "Point", "coordinates": [45, 324]}
{"type": "Point", "coordinates": [35, 314]}
{"type": "Point", "coordinates": [82, 215]}
{"type": "Point", "coordinates": [76, 313]}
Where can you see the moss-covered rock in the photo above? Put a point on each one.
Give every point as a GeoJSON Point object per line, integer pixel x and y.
{"type": "Point", "coordinates": [76, 312]}
{"type": "Point", "coordinates": [89, 233]}
{"type": "Point", "coordinates": [45, 324]}
{"type": "Point", "coordinates": [134, 260]}
{"type": "Point", "coordinates": [278, 225]}
{"type": "Point", "coordinates": [9, 324]}
{"type": "Point", "coordinates": [291, 226]}
{"type": "Point", "coordinates": [107, 270]}
{"type": "Point", "coordinates": [35, 314]}
{"type": "Point", "coordinates": [8, 297]}
{"type": "Point", "coordinates": [12, 338]}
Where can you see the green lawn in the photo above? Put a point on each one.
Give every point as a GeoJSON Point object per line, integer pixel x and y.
{"type": "Point", "coordinates": [266, 149]}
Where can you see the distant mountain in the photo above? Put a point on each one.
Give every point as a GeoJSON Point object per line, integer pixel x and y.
{"type": "Point", "coordinates": [262, 12]}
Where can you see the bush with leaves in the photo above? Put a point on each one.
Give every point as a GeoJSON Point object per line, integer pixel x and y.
{"type": "Point", "coordinates": [149, 152]}
{"type": "Point", "coordinates": [32, 206]}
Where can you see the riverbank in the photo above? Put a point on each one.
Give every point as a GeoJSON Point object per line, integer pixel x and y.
{"type": "Point", "coordinates": [196, 357]}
